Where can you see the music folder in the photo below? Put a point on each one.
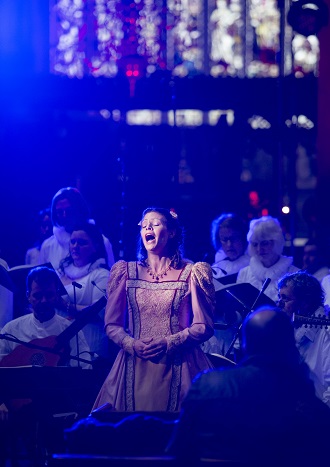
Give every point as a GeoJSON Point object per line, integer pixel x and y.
{"type": "Point", "coordinates": [245, 293]}
{"type": "Point", "coordinates": [222, 282]}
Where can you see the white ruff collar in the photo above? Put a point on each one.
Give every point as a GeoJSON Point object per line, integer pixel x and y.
{"type": "Point", "coordinates": [274, 272]}
{"type": "Point", "coordinates": [74, 272]}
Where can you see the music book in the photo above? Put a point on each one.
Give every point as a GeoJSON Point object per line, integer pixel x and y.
{"type": "Point", "coordinates": [221, 282]}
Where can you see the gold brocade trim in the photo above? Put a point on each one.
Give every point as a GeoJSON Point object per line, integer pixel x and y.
{"type": "Point", "coordinates": [185, 272]}
{"type": "Point", "coordinates": [129, 385]}
{"type": "Point", "coordinates": [127, 344]}
{"type": "Point", "coordinates": [180, 293]}
{"type": "Point", "coordinates": [132, 269]}
{"type": "Point", "coordinates": [130, 359]}
{"type": "Point", "coordinates": [180, 287]}
{"type": "Point", "coordinates": [141, 284]}
{"type": "Point", "coordinates": [202, 274]}
{"type": "Point", "coordinates": [173, 400]}
{"type": "Point", "coordinates": [133, 310]}
{"type": "Point", "coordinates": [116, 275]}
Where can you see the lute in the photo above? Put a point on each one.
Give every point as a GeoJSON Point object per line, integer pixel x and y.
{"type": "Point", "coordinates": [50, 350]}
{"type": "Point", "coordinates": [310, 321]}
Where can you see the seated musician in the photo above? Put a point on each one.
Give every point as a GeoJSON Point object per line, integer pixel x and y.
{"type": "Point", "coordinates": [42, 326]}
{"type": "Point", "coordinates": [300, 295]}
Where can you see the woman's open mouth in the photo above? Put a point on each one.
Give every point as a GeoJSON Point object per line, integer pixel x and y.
{"type": "Point", "coordinates": [149, 237]}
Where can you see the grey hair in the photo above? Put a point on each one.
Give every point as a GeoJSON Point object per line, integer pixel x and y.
{"type": "Point", "coordinates": [266, 228]}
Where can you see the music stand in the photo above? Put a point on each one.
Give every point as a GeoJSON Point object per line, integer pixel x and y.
{"type": "Point", "coordinates": [221, 282]}
{"type": "Point", "coordinates": [249, 298]}
{"type": "Point", "coordinates": [242, 299]}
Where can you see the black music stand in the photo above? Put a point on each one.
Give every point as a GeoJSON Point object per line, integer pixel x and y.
{"type": "Point", "coordinates": [229, 279]}
{"type": "Point", "coordinates": [239, 298]}
{"type": "Point", "coordinates": [249, 298]}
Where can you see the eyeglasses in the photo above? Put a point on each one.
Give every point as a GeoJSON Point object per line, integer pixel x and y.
{"type": "Point", "coordinates": [153, 222]}
{"type": "Point", "coordinates": [232, 239]}
{"type": "Point", "coordinates": [262, 244]}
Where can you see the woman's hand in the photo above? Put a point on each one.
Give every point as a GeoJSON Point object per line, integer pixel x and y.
{"type": "Point", "coordinates": [148, 349]}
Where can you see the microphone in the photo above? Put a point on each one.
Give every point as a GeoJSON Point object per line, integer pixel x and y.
{"type": "Point", "coordinates": [101, 290]}
{"type": "Point", "coordinates": [239, 300]}
{"type": "Point", "coordinates": [76, 285]}
{"type": "Point", "coordinates": [263, 288]}
{"type": "Point", "coordinates": [265, 285]}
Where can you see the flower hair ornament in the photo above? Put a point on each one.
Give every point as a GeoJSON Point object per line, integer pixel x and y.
{"type": "Point", "coordinates": [173, 214]}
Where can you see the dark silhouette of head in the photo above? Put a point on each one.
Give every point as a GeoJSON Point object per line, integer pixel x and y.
{"type": "Point", "coordinates": [268, 332]}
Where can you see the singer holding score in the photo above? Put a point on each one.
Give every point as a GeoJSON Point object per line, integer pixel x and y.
{"type": "Point", "coordinates": [266, 244]}
{"type": "Point", "coordinates": [160, 309]}
{"type": "Point", "coordinates": [84, 274]}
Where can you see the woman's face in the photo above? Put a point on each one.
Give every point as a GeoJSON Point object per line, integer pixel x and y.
{"type": "Point", "coordinates": [82, 248]}
{"type": "Point", "coordinates": [154, 232]}
{"type": "Point", "coordinates": [264, 251]}
{"type": "Point", "coordinates": [231, 242]}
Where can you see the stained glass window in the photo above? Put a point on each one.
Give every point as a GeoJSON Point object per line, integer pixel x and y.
{"type": "Point", "coordinates": [186, 37]}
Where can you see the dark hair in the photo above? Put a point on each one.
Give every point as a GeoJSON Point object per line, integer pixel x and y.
{"type": "Point", "coordinates": [175, 244]}
{"type": "Point", "coordinates": [78, 203]}
{"type": "Point", "coordinates": [96, 237]}
{"type": "Point", "coordinates": [43, 276]}
{"type": "Point", "coordinates": [306, 288]}
{"type": "Point", "coordinates": [230, 221]}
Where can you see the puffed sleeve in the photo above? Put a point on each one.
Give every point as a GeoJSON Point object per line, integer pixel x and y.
{"type": "Point", "coordinates": [202, 296]}
{"type": "Point", "coordinates": [115, 311]}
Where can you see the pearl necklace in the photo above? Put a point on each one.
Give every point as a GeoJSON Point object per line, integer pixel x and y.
{"type": "Point", "coordinates": [157, 276]}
